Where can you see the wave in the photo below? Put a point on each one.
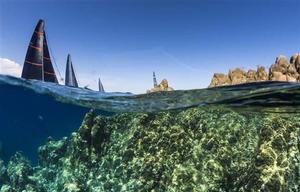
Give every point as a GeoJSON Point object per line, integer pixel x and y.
{"type": "Point", "coordinates": [258, 94]}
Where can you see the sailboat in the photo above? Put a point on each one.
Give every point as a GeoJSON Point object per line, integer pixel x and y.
{"type": "Point", "coordinates": [38, 63]}
{"type": "Point", "coordinates": [154, 80]}
{"type": "Point", "coordinates": [101, 88]}
{"type": "Point", "coordinates": [70, 74]}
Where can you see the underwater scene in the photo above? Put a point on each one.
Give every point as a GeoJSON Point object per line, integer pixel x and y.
{"type": "Point", "coordinates": [232, 138]}
{"type": "Point", "coordinates": [149, 96]}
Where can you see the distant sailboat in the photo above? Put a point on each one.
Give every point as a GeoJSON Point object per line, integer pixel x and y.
{"type": "Point", "coordinates": [37, 63]}
{"type": "Point", "coordinates": [70, 74]}
{"type": "Point", "coordinates": [101, 88]}
{"type": "Point", "coordinates": [154, 80]}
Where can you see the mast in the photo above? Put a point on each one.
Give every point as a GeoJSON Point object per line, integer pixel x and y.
{"type": "Point", "coordinates": [154, 80]}
{"type": "Point", "coordinates": [70, 74]}
{"type": "Point", "coordinates": [101, 88]}
{"type": "Point", "coordinates": [49, 73]}
{"type": "Point", "coordinates": [33, 65]}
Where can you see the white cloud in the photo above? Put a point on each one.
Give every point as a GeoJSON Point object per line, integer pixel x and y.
{"type": "Point", "coordinates": [9, 67]}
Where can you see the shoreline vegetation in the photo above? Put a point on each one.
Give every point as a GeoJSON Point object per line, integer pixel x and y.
{"type": "Point", "coordinates": [211, 148]}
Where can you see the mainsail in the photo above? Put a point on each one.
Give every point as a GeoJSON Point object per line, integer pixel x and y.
{"type": "Point", "coordinates": [101, 88]}
{"type": "Point", "coordinates": [37, 63]}
{"type": "Point", "coordinates": [70, 74]}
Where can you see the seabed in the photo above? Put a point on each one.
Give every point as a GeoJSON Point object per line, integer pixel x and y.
{"type": "Point", "coordinates": [212, 148]}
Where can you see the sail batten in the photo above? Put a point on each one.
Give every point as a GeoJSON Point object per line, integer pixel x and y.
{"type": "Point", "coordinates": [70, 79]}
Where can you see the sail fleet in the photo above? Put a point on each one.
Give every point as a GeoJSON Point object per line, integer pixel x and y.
{"type": "Point", "coordinates": [38, 64]}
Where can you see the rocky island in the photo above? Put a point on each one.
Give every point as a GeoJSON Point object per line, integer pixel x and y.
{"type": "Point", "coordinates": [163, 86]}
{"type": "Point", "coordinates": [281, 70]}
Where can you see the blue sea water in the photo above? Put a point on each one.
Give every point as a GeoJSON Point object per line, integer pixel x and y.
{"type": "Point", "coordinates": [32, 111]}
{"type": "Point", "coordinates": [28, 119]}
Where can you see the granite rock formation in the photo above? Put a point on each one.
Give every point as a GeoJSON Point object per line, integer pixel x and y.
{"type": "Point", "coordinates": [163, 86]}
{"type": "Point", "coordinates": [197, 149]}
{"type": "Point", "coordinates": [281, 70]}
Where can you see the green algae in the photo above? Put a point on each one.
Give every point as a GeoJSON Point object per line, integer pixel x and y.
{"type": "Point", "coordinates": [197, 149]}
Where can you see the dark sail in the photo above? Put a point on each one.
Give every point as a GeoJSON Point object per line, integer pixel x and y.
{"type": "Point", "coordinates": [70, 74]}
{"type": "Point", "coordinates": [101, 88]}
{"type": "Point", "coordinates": [49, 73]}
{"type": "Point", "coordinates": [33, 65]}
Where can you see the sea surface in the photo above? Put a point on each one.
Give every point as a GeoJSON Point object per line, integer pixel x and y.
{"type": "Point", "coordinates": [31, 112]}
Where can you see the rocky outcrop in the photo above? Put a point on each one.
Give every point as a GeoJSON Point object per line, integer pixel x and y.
{"type": "Point", "coordinates": [163, 86]}
{"type": "Point", "coordinates": [220, 79]}
{"type": "Point", "coordinates": [281, 70]}
{"type": "Point", "coordinates": [261, 73]}
{"type": "Point", "coordinates": [295, 60]}
{"type": "Point", "coordinates": [237, 76]}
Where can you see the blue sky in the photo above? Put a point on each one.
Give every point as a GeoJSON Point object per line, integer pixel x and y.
{"type": "Point", "coordinates": [123, 41]}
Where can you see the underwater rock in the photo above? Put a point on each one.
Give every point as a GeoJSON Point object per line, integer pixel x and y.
{"type": "Point", "coordinates": [281, 70]}
{"type": "Point", "coordinates": [3, 173]}
{"type": "Point", "coordinates": [163, 86]}
{"type": "Point", "coordinates": [197, 149]}
{"type": "Point", "coordinates": [1, 150]}
{"type": "Point", "coordinates": [18, 175]}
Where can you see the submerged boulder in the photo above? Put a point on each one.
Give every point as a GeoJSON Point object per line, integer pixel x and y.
{"type": "Point", "coordinates": [198, 149]}
{"type": "Point", "coordinates": [3, 173]}
{"type": "Point", "coordinates": [18, 175]}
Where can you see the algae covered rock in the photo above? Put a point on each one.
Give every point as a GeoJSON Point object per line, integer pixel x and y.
{"type": "Point", "coordinates": [19, 175]}
{"type": "Point", "coordinates": [3, 173]}
{"type": "Point", "coordinates": [199, 149]}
